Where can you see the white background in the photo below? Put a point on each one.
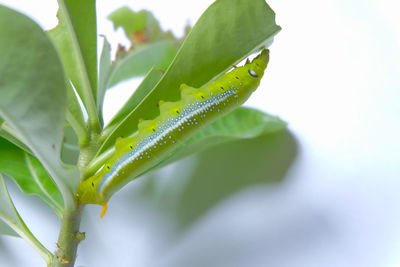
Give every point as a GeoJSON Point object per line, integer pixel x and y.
{"type": "Point", "coordinates": [334, 77]}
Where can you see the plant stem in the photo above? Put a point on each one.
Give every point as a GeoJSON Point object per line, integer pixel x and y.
{"type": "Point", "coordinates": [69, 238]}
{"type": "Point", "coordinates": [80, 130]}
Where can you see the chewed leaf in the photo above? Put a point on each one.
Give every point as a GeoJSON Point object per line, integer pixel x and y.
{"type": "Point", "coordinates": [150, 45]}
{"type": "Point", "coordinates": [140, 27]}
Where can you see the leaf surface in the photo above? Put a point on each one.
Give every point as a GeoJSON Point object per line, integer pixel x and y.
{"type": "Point", "coordinates": [75, 38]}
{"type": "Point", "coordinates": [29, 175]}
{"type": "Point", "coordinates": [104, 74]}
{"type": "Point", "coordinates": [33, 94]}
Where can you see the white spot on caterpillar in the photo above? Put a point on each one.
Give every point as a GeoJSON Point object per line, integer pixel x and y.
{"type": "Point", "coordinates": [252, 73]}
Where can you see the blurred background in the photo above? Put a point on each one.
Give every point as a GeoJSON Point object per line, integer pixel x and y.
{"type": "Point", "coordinates": [322, 193]}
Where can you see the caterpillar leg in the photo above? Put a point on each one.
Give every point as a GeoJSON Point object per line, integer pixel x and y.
{"type": "Point", "coordinates": [103, 211]}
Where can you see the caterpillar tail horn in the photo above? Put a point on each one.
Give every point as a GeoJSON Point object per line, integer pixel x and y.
{"type": "Point", "coordinates": [103, 210]}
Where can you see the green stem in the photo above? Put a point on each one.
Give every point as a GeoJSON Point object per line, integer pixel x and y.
{"type": "Point", "coordinates": [88, 98]}
{"type": "Point", "coordinates": [80, 131]}
{"type": "Point", "coordinates": [68, 239]}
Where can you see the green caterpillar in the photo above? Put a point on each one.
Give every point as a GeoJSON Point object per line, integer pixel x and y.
{"type": "Point", "coordinates": [177, 122]}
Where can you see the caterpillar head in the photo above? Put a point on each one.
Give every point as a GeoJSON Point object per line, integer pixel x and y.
{"type": "Point", "coordinates": [257, 66]}
{"type": "Point", "coordinates": [244, 80]}
{"type": "Point", "coordinates": [87, 190]}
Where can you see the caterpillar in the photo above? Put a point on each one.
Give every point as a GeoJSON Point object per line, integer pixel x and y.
{"type": "Point", "coordinates": [176, 123]}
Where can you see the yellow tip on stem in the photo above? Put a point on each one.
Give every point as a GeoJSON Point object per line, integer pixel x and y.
{"type": "Point", "coordinates": [103, 211]}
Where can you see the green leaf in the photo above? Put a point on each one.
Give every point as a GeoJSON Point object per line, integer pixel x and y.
{"type": "Point", "coordinates": [75, 116]}
{"type": "Point", "coordinates": [139, 62]}
{"type": "Point", "coordinates": [143, 89]}
{"type": "Point", "coordinates": [104, 73]}
{"type": "Point", "coordinates": [227, 32]}
{"type": "Point", "coordinates": [33, 94]}
{"type": "Point", "coordinates": [9, 134]}
{"type": "Point", "coordinates": [10, 216]}
{"type": "Point", "coordinates": [29, 174]}
{"type": "Point", "coordinates": [70, 147]}
{"type": "Point", "coordinates": [242, 123]}
{"type": "Point", "coordinates": [75, 38]}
